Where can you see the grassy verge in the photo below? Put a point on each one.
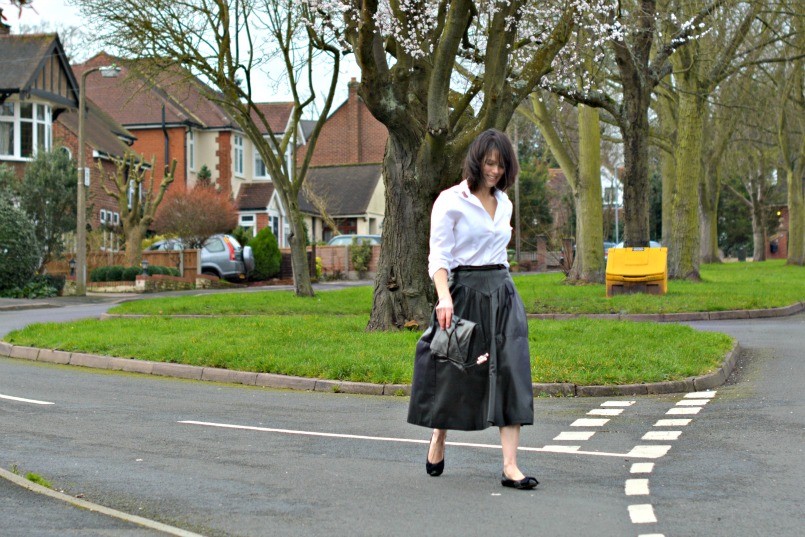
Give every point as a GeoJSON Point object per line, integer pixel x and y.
{"type": "Point", "coordinates": [731, 286]}
{"type": "Point", "coordinates": [581, 351]}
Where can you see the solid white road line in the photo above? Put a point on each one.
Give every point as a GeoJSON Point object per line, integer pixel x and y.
{"type": "Point", "coordinates": [618, 403]}
{"type": "Point", "coordinates": [681, 422]}
{"type": "Point", "coordinates": [589, 422]}
{"type": "Point", "coordinates": [639, 452]}
{"type": "Point", "coordinates": [605, 412]}
{"type": "Point", "coordinates": [574, 435]}
{"type": "Point", "coordinates": [23, 400]}
{"type": "Point", "coordinates": [642, 514]}
{"type": "Point", "coordinates": [683, 411]}
{"type": "Point", "coordinates": [636, 487]}
{"type": "Point", "coordinates": [642, 468]}
{"type": "Point", "coordinates": [700, 395]}
{"type": "Point", "coordinates": [662, 435]}
{"type": "Point", "coordinates": [693, 402]}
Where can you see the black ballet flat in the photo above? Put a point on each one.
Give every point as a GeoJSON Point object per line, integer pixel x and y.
{"type": "Point", "coordinates": [526, 483]}
{"type": "Point", "coordinates": [434, 469]}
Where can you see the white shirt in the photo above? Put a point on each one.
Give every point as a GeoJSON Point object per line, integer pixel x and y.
{"type": "Point", "coordinates": [463, 233]}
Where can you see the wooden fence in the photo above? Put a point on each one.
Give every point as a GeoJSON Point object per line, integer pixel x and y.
{"type": "Point", "coordinates": [186, 261]}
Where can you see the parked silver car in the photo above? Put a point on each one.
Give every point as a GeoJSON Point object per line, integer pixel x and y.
{"type": "Point", "coordinates": [222, 256]}
{"type": "Point", "coordinates": [346, 240]}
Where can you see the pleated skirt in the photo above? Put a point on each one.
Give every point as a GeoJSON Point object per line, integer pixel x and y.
{"type": "Point", "coordinates": [495, 393]}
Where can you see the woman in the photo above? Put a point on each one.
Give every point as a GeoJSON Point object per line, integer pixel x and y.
{"type": "Point", "coordinates": [470, 228]}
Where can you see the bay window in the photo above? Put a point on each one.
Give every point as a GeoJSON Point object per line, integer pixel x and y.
{"type": "Point", "coordinates": [25, 128]}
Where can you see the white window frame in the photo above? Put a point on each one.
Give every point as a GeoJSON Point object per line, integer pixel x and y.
{"type": "Point", "coordinates": [191, 150]}
{"type": "Point", "coordinates": [237, 160]}
{"type": "Point", "coordinates": [258, 163]}
{"type": "Point", "coordinates": [102, 216]}
{"type": "Point", "coordinates": [248, 221]}
{"type": "Point", "coordinates": [16, 121]}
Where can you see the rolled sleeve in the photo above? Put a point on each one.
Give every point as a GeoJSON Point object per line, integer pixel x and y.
{"type": "Point", "coordinates": [442, 236]}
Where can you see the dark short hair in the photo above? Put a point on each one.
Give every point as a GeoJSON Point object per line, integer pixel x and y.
{"type": "Point", "coordinates": [489, 141]}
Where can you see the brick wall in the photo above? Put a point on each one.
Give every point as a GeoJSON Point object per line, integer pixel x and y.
{"type": "Point", "coordinates": [224, 166]}
{"type": "Point", "coordinates": [150, 144]}
{"type": "Point", "coordinates": [350, 136]}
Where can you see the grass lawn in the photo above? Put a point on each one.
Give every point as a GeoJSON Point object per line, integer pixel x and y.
{"type": "Point", "coordinates": [325, 337]}
{"type": "Point", "coordinates": [581, 351]}
{"type": "Point", "coordinates": [723, 287]}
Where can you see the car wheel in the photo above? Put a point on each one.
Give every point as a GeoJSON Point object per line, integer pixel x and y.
{"type": "Point", "coordinates": [211, 272]}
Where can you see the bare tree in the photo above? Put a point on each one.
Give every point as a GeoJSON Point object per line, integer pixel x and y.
{"type": "Point", "coordinates": [138, 196]}
{"type": "Point", "coordinates": [227, 43]}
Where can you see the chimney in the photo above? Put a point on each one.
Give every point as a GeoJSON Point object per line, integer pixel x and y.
{"type": "Point", "coordinates": [5, 29]}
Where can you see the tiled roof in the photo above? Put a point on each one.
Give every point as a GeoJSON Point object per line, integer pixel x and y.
{"type": "Point", "coordinates": [22, 59]}
{"type": "Point", "coordinates": [134, 100]}
{"type": "Point", "coordinates": [102, 132]}
{"type": "Point", "coordinates": [276, 115]}
{"type": "Point", "coordinates": [255, 196]}
{"type": "Point", "coordinates": [346, 190]}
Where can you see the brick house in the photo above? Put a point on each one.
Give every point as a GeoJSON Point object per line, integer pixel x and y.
{"type": "Point", "coordinates": [39, 111]}
{"type": "Point", "coordinates": [346, 172]}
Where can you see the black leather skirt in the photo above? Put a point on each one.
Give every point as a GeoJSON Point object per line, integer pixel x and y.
{"type": "Point", "coordinates": [495, 393]}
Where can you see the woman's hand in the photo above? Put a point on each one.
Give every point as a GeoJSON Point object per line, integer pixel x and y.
{"type": "Point", "coordinates": [444, 312]}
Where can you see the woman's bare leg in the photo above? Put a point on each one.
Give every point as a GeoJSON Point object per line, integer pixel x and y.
{"type": "Point", "coordinates": [509, 440]}
{"type": "Point", "coordinates": [436, 450]}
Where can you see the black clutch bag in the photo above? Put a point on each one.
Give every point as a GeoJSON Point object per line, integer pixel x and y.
{"type": "Point", "coordinates": [453, 343]}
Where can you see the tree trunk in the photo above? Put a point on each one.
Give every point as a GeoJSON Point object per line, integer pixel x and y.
{"type": "Point", "coordinates": [666, 114]}
{"type": "Point", "coordinates": [683, 248]}
{"type": "Point", "coordinates": [796, 217]}
{"type": "Point", "coordinates": [134, 239]}
{"type": "Point", "coordinates": [635, 132]}
{"type": "Point", "coordinates": [588, 264]}
{"type": "Point", "coordinates": [299, 259]}
{"type": "Point", "coordinates": [403, 290]}
{"type": "Point", "coordinates": [758, 229]}
{"type": "Point", "coordinates": [708, 221]}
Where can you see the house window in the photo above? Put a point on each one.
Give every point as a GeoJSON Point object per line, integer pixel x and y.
{"type": "Point", "coordinates": [238, 154]}
{"type": "Point", "coordinates": [191, 150]}
{"type": "Point", "coordinates": [246, 221]}
{"type": "Point", "coordinates": [259, 166]}
{"type": "Point", "coordinates": [103, 217]}
{"type": "Point", "coordinates": [25, 128]}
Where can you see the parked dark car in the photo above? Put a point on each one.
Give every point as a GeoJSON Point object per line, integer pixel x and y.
{"type": "Point", "coordinates": [221, 256]}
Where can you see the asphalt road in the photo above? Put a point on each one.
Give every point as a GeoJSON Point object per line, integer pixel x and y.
{"type": "Point", "coordinates": [233, 460]}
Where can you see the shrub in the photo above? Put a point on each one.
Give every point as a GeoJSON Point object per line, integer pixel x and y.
{"type": "Point", "coordinates": [267, 255]}
{"type": "Point", "coordinates": [361, 255]}
{"type": "Point", "coordinates": [174, 272]}
{"type": "Point", "coordinates": [130, 273]}
{"type": "Point", "coordinates": [40, 286]}
{"type": "Point", "coordinates": [19, 248]}
{"type": "Point", "coordinates": [242, 234]}
{"type": "Point", "coordinates": [98, 274]}
{"type": "Point", "coordinates": [115, 274]}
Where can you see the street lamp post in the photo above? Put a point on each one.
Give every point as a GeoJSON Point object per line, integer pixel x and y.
{"type": "Point", "coordinates": [81, 211]}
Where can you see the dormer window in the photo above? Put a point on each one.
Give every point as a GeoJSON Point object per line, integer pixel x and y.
{"type": "Point", "coordinates": [25, 128]}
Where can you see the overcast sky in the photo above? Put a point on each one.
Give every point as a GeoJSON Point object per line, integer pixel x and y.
{"type": "Point", "coordinates": [59, 13]}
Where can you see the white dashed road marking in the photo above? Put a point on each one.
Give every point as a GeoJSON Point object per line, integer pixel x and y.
{"type": "Point", "coordinates": [700, 395]}
{"type": "Point", "coordinates": [683, 411]}
{"type": "Point", "coordinates": [662, 435]}
{"type": "Point", "coordinates": [605, 412]}
{"type": "Point", "coordinates": [642, 514]}
{"type": "Point", "coordinates": [618, 403]}
{"type": "Point", "coordinates": [589, 422]}
{"type": "Point", "coordinates": [642, 468]}
{"type": "Point", "coordinates": [575, 435]}
{"type": "Point", "coordinates": [636, 487]}
{"type": "Point", "coordinates": [23, 400]}
{"type": "Point", "coordinates": [672, 423]}
{"type": "Point", "coordinates": [649, 452]}
{"type": "Point", "coordinates": [693, 402]}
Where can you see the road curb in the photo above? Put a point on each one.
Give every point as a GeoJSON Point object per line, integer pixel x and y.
{"type": "Point", "coordinates": [765, 313]}
{"type": "Point", "coordinates": [95, 508]}
{"type": "Point", "coordinates": [273, 380]}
